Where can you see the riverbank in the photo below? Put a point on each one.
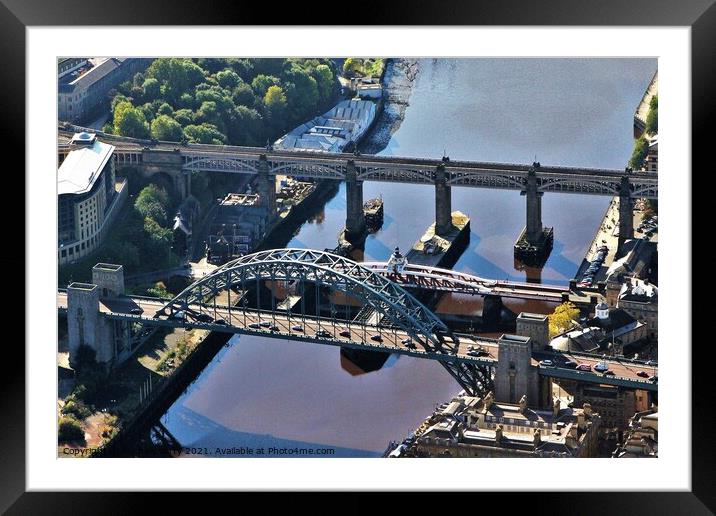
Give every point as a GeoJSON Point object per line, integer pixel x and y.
{"type": "Point", "coordinates": [398, 79]}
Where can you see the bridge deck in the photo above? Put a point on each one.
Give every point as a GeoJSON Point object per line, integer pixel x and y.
{"type": "Point", "coordinates": [238, 321]}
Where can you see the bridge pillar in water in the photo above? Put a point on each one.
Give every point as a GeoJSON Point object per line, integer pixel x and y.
{"type": "Point", "coordinates": [515, 376]}
{"type": "Point", "coordinates": [626, 214]}
{"type": "Point", "coordinates": [355, 220]}
{"type": "Point", "coordinates": [443, 202]}
{"type": "Point", "coordinates": [267, 186]}
{"type": "Point", "coordinates": [535, 241]}
{"type": "Point", "coordinates": [533, 224]}
{"type": "Point", "coordinates": [534, 326]}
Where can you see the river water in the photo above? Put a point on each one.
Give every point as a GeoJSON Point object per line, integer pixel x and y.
{"type": "Point", "coordinates": [260, 392]}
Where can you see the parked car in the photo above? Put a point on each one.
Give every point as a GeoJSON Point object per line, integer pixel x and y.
{"type": "Point", "coordinates": [265, 324]}
{"type": "Point", "coordinates": [297, 327]}
{"type": "Point", "coordinates": [583, 367]}
{"type": "Point", "coordinates": [407, 341]}
{"type": "Point", "coordinates": [570, 363]}
{"type": "Point", "coordinates": [323, 333]}
{"type": "Point", "coordinates": [608, 373]}
{"type": "Point", "coordinates": [643, 374]}
{"type": "Point", "coordinates": [255, 326]}
{"type": "Point", "coordinates": [345, 333]}
{"type": "Point", "coordinates": [601, 367]}
{"type": "Point", "coordinates": [376, 338]}
{"type": "Point", "coordinates": [547, 363]}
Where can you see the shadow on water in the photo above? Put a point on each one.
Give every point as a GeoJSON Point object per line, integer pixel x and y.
{"type": "Point", "coordinates": [203, 437]}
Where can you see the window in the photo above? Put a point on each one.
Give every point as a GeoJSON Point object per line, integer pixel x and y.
{"type": "Point", "coordinates": [64, 253]}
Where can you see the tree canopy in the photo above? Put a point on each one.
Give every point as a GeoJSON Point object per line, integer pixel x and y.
{"type": "Point", "coordinates": [216, 100]}
{"type": "Point", "coordinates": [561, 319]}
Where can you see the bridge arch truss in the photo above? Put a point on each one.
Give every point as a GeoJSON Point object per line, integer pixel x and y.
{"type": "Point", "coordinates": [321, 268]}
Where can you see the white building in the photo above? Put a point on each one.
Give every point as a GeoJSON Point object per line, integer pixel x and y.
{"type": "Point", "coordinates": [87, 195]}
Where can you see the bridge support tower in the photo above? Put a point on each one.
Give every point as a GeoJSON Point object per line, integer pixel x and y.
{"type": "Point", "coordinates": [110, 340]}
{"type": "Point", "coordinates": [534, 326]}
{"type": "Point", "coordinates": [515, 376]}
{"type": "Point", "coordinates": [535, 242]}
{"type": "Point", "coordinates": [267, 187]}
{"type": "Point", "coordinates": [355, 219]}
{"type": "Point", "coordinates": [443, 202]}
{"type": "Point", "coordinates": [626, 214]}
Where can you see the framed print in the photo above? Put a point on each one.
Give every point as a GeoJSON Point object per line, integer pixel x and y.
{"type": "Point", "coordinates": [287, 254]}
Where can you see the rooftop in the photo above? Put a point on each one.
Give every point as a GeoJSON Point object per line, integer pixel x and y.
{"type": "Point", "coordinates": [81, 168]}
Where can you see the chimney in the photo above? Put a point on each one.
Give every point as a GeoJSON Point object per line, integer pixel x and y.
{"type": "Point", "coordinates": [498, 434]}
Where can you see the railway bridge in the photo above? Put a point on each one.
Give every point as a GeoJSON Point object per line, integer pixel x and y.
{"type": "Point", "coordinates": [531, 180]}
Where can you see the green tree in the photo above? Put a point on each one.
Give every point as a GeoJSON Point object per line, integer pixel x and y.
{"type": "Point", "coordinates": [561, 319]}
{"type": "Point", "coordinates": [130, 121]}
{"type": "Point", "coordinates": [261, 84]}
{"type": "Point", "coordinates": [243, 95]}
{"type": "Point", "coordinates": [69, 430]}
{"type": "Point", "coordinates": [176, 76]}
{"type": "Point", "coordinates": [302, 99]}
{"type": "Point", "coordinates": [204, 133]}
{"type": "Point", "coordinates": [275, 102]}
{"type": "Point", "coordinates": [324, 80]}
{"type": "Point", "coordinates": [151, 89]}
{"type": "Point", "coordinates": [165, 128]}
{"type": "Point", "coordinates": [652, 119]}
{"type": "Point", "coordinates": [641, 148]}
{"type": "Point", "coordinates": [228, 79]}
{"type": "Point", "coordinates": [184, 116]}
{"type": "Point", "coordinates": [153, 202]}
{"type": "Point", "coordinates": [350, 66]}
{"type": "Point", "coordinates": [165, 109]}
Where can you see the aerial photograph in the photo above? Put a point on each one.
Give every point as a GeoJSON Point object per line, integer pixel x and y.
{"type": "Point", "coordinates": [322, 257]}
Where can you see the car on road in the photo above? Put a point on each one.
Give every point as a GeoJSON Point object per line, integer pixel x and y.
{"type": "Point", "coordinates": [273, 327]}
{"type": "Point", "coordinates": [653, 379]}
{"type": "Point", "coordinates": [297, 327]}
{"type": "Point", "coordinates": [181, 314]}
{"type": "Point", "coordinates": [265, 324]}
{"type": "Point", "coordinates": [323, 333]}
{"type": "Point", "coordinates": [583, 367]}
{"type": "Point", "coordinates": [650, 362]}
{"type": "Point", "coordinates": [407, 341]}
{"type": "Point", "coordinates": [255, 326]}
{"type": "Point", "coordinates": [608, 373]}
{"type": "Point", "coordinates": [220, 321]}
{"type": "Point", "coordinates": [376, 338]}
{"type": "Point", "coordinates": [474, 352]}
{"type": "Point", "coordinates": [345, 333]}
{"type": "Point", "coordinates": [601, 367]}
{"type": "Point", "coordinates": [570, 363]}
{"type": "Point", "coordinates": [136, 311]}
{"type": "Point", "coordinates": [643, 374]}
{"type": "Point", "coordinates": [547, 363]}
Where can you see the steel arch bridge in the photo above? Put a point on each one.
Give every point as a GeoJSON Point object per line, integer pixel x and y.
{"type": "Point", "coordinates": [398, 307]}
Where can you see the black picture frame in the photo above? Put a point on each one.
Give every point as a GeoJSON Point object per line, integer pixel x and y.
{"type": "Point", "coordinates": [17, 15]}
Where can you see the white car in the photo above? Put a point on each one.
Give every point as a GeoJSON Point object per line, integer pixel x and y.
{"type": "Point", "coordinates": [547, 363]}
{"type": "Point", "coordinates": [601, 367]}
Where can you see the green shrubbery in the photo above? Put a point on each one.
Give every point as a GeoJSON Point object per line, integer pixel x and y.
{"type": "Point", "coordinates": [652, 119]}
{"type": "Point", "coordinates": [70, 430]}
{"type": "Point", "coordinates": [641, 148]}
{"type": "Point", "coordinates": [236, 101]}
{"type": "Point", "coordinates": [356, 67]}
